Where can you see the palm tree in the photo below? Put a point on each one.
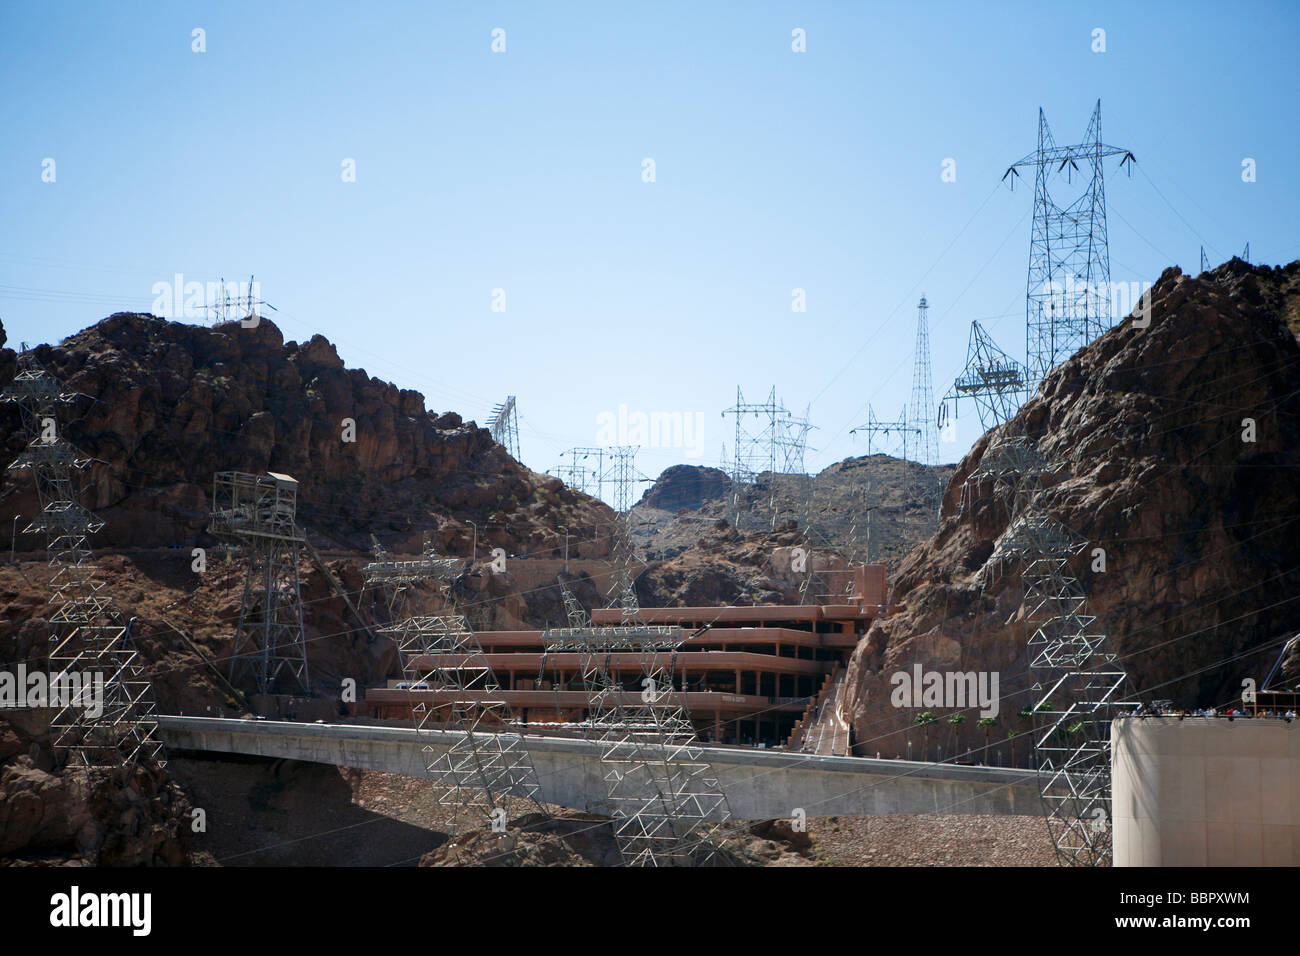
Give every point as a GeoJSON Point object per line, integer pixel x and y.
{"type": "Point", "coordinates": [988, 723]}
{"type": "Point", "coordinates": [925, 719]}
{"type": "Point", "coordinates": [955, 721]}
{"type": "Point", "coordinates": [1026, 713]}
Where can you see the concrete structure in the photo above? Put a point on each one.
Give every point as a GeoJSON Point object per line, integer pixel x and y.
{"type": "Point", "coordinates": [760, 785]}
{"type": "Point", "coordinates": [1206, 792]}
{"type": "Point", "coordinates": [748, 674]}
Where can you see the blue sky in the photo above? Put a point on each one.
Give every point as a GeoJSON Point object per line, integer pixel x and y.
{"type": "Point", "coordinates": [522, 171]}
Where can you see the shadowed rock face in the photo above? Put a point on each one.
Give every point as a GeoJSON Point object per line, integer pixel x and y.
{"type": "Point", "coordinates": [167, 405]}
{"type": "Point", "coordinates": [874, 507]}
{"type": "Point", "coordinates": [686, 486]}
{"type": "Point", "coordinates": [1201, 529]}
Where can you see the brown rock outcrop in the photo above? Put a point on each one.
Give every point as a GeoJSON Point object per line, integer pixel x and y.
{"type": "Point", "coordinates": [168, 405]}
{"type": "Point", "coordinates": [1201, 529]}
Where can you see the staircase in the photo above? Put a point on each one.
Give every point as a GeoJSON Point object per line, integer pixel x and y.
{"type": "Point", "coordinates": [821, 730]}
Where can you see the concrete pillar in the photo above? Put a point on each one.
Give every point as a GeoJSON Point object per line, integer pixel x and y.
{"type": "Point", "coordinates": [1206, 792]}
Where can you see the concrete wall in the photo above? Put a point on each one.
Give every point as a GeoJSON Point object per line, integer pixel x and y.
{"type": "Point", "coordinates": [1200, 792]}
{"type": "Point", "coordinates": [759, 785]}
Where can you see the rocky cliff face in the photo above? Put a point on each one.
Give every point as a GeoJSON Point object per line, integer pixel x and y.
{"type": "Point", "coordinates": [875, 507]}
{"type": "Point", "coordinates": [51, 815]}
{"type": "Point", "coordinates": [1148, 433]}
{"type": "Point", "coordinates": [727, 566]}
{"type": "Point", "coordinates": [686, 486]}
{"type": "Point", "coordinates": [164, 407]}
{"type": "Point", "coordinates": [168, 405]}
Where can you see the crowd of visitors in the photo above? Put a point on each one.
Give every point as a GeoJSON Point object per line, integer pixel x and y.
{"type": "Point", "coordinates": [1166, 709]}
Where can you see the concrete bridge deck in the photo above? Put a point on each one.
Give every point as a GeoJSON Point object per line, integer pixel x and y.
{"type": "Point", "coordinates": [760, 785]}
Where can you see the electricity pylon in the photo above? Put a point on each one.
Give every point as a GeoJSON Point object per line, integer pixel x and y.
{"type": "Point", "coordinates": [504, 426]}
{"type": "Point", "coordinates": [485, 768]}
{"type": "Point", "coordinates": [921, 410]}
{"type": "Point", "coordinates": [1068, 301]}
{"type": "Point", "coordinates": [256, 514]}
{"type": "Point", "coordinates": [902, 428]}
{"type": "Point", "coordinates": [667, 804]}
{"type": "Point", "coordinates": [583, 470]}
{"type": "Point", "coordinates": [90, 639]}
{"type": "Point", "coordinates": [996, 382]}
{"type": "Point", "coordinates": [1082, 682]}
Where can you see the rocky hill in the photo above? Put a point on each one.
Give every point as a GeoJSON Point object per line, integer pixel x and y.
{"type": "Point", "coordinates": [1144, 430]}
{"type": "Point", "coordinates": [163, 407]}
{"type": "Point", "coordinates": [1147, 434]}
{"type": "Point", "coordinates": [167, 405]}
{"type": "Point", "coordinates": [873, 507]}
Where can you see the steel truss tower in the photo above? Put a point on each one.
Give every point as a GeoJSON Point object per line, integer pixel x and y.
{"type": "Point", "coordinates": [774, 440]}
{"type": "Point", "coordinates": [770, 440]}
{"type": "Point", "coordinates": [1068, 301]}
{"type": "Point", "coordinates": [485, 769]}
{"type": "Point", "coordinates": [996, 382]}
{"type": "Point", "coordinates": [921, 411]}
{"type": "Point", "coordinates": [874, 426]}
{"type": "Point", "coordinates": [256, 514]}
{"type": "Point", "coordinates": [580, 476]}
{"type": "Point", "coordinates": [504, 426]}
{"type": "Point", "coordinates": [89, 637]}
{"type": "Point", "coordinates": [668, 807]}
{"type": "Point", "coordinates": [621, 472]}
{"type": "Point", "coordinates": [400, 574]}
{"type": "Point", "coordinates": [1082, 682]}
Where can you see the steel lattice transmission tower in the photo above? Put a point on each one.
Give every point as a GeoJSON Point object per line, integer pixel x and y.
{"type": "Point", "coordinates": [770, 440]}
{"type": "Point", "coordinates": [921, 411]}
{"type": "Point", "coordinates": [664, 795]}
{"type": "Point", "coordinates": [89, 636]}
{"type": "Point", "coordinates": [584, 470]}
{"type": "Point", "coordinates": [794, 443]}
{"type": "Point", "coordinates": [237, 308]}
{"type": "Point", "coordinates": [996, 382]}
{"type": "Point", "coordinates": [484, 768]}
{"type": "Point", "coordinates": [256, 514]}
{"type": "Point", "coordinates": [384, 570]}
{"type": "Point", "coordinates": [504, 426]}
{"type": "Point", "coordinates": [1068, 300]}
{"type": "Point", "coordinates": [1081, 683]}
{"type": "Point", "coordinates": [622, 474]}
{"type": "Point", "coordinates": [900, 427]}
